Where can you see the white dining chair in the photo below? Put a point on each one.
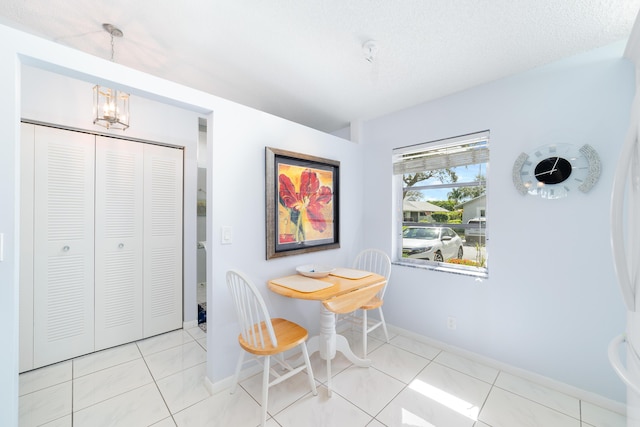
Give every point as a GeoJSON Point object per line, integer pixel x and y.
{"type": "Point", "coordinates": [263, 337]}
{"type": "Point", "coordinates": [375, 261]}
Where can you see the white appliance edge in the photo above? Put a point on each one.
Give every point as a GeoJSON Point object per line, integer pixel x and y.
{"type": "Point", "coordinates": [625, 243]}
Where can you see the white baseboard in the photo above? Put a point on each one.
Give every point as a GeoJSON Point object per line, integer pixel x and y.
{"type": "Point", "coordinates": [559, 386]}
{"type": "Point", "coordinates": [226, 383]}
{"type": "Point", "coordinates": [189, 324]}
{"type": "Point", "coordinates": [218, 386]}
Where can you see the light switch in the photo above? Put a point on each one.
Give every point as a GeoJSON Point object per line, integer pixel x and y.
{"type": "Point", "coordinates": [226, 235]}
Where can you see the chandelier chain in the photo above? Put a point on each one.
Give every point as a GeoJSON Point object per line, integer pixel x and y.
{"type": "Point", "coordinates": [113, 49]}
{"type": "Point", "coordinates": [111, 105]}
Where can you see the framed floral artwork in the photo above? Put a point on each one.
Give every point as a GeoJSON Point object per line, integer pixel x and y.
{"type": "Point", "coordinates": [302, 203]}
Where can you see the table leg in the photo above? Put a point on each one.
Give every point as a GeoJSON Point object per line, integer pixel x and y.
{"type": "Point", "coordinates": [328, 343]}
{"type": "Point", "coordinates": [327, 340]}
{"type": "Point", "coordinates": [342, 345]}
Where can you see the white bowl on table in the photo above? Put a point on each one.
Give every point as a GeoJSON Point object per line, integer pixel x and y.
{"type": "Point", "coordinates": [314, 270]}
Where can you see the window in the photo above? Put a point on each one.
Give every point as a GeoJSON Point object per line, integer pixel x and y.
{"type": "Point", "coordinates": [442, 203]}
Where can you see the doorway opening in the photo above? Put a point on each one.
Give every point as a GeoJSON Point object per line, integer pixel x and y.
{"type": "Point", "coordinates": [201, 280]}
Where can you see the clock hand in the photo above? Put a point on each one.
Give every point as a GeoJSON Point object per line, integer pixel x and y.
{"type": "Point", "coordinates": [553, 169]}
{"type": "Point", "coordinates": [550, 171]}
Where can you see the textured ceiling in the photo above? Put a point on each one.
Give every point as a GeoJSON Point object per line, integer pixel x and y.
{"type": "Point", "coordinates": [303, 60]}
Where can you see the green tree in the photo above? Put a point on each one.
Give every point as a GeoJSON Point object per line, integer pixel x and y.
{"type": "Point", "coordinates": [462, 194]}
{"type": "Point", "coordinates": [447, 204]}
{"type": "Point", "coordinates": [440, 217]}
{"type": "Point", "coordinates": [455, 196]}
{"type": "Point", "coordinates": [411, 179]}
{"type": "Point", "coordinates": [413, 195]}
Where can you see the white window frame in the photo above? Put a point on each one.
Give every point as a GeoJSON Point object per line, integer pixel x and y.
{"type": "Point", "coordinates": [434, 155]}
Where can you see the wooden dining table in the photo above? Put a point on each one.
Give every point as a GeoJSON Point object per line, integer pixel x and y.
{"type": "Point", "coordinates": [328, 342]}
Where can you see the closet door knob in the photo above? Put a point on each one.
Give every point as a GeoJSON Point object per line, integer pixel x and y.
{"type": "Point", "coordinates": [66, 248]}
{"type": "Point", "coordinates": [121, 245]}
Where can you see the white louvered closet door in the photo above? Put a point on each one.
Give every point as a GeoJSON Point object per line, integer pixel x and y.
{"type": "Point", "coordinates": [119, 244]}
{"type": "Point", "coordinates": [163, 239]}
{"type": "Point", "coordinates": [63, 245]}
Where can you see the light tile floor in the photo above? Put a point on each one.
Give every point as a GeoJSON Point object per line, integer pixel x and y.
{"type": "Point", "coordinates": [160, 382]}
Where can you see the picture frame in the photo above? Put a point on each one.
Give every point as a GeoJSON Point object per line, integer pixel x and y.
{"type": "Point", "coordinates": [302, 203]}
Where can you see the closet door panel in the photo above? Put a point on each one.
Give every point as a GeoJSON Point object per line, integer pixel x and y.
{"type": "Point", "coordinates": [163, 239]}
{"type": "Point", "coordinates": [63, 245]}
{"type": "Point", "coordinates": [119, 219]}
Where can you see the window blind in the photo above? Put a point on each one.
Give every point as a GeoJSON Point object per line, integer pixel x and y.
{"type": "Point", "coordinates": [443, 154]}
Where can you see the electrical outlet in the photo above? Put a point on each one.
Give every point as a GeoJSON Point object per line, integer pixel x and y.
{"type": "Point", "coordinates": [451, 323]}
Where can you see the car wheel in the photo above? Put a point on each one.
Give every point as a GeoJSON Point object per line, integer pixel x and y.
{"type": "Point", "coordinates": [460, 252]}
{"type": "Point", "coordinates": [438, 257]}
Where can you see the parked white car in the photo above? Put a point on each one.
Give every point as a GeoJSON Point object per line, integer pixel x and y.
{"type": "Point", "coordinates": [431, 243]}
{"type": "Point", "coordinates": [477, 232]}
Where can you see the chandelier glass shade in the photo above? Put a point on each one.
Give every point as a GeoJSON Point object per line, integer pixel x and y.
{"type": "Point", "coordinates": [110, 108]}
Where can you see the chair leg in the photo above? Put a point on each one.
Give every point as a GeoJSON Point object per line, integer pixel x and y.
{"type": "Point", "coordinates": [384, 324]}
{"type": "Point", "coordinates": [236, 376]}
{"type": "Point", "coordinates": [365, 332]}
{"type": "Point", "coordinates": [312, 381]}
{"type": "Point", "coordinates": [328, 377]}
{"type": "Point", "coordinates": [265, 390]}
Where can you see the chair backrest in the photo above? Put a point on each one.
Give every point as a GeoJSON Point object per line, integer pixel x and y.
{"type": "Point", "coordinates": [251, 311]}
{"type": "Point", "coordinates": [351, 301]}
{"type": "Point", "coordinates": [375, 261]}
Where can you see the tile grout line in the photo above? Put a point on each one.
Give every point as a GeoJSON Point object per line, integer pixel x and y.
{"type": "Point", "coordinates": [109, 398]}
{"type": "Point", "coordinates": [494, 388]}
{"type": "Point", "coordinates": [484, 403]}
{"type": "Point", "coordinates": [404, 387]}
{"type": "Point", "coordinates": [540, 403]}
{"type": "Point", "coordinates": [155, 382]}
{"type": "Point", "coordinates": [580, 411]}
{"type": "Point", "coordinates": [73, 377]}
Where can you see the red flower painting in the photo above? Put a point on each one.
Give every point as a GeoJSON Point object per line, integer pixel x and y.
{"type": "Point", "coordinates": [307, 206]}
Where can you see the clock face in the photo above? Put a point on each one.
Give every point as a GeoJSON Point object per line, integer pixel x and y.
{"type": "Point", "coordinates": [556, 170]}
{"type": "Point", "coordinates": [553, 170]}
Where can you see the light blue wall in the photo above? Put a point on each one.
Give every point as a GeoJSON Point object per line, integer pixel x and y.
{"type": "Point", "coordinates": [235, 196]}
{"type": "Point", "coordinates": [543, 308]}
{"type": "Point", "coordinates": [239, 199]}
{"type": "Point", "coordinates": [550, 304]}
{"type": "Point", "coordinates": [9, 226]}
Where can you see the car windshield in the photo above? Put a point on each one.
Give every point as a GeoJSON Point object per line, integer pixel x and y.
{"type": "Point", "coordinates": [426, 233]}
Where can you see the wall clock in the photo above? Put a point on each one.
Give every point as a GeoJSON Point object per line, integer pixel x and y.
{"type": "Point", "coordinates": [555, 170]}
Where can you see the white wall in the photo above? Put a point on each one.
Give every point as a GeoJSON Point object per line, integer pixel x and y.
{"type": "Point", "coordinates": [235, 193]}
{"type": "Point", "coordinates": [239, 199]}
{"type": "Point", "coordinates": [9, 226]}
{"type": "Point", "coordinates": [543, 308]}
{"type": "Point", "coordinates": [54, 98]}
{"type": "Point", "coordinates": [550, 304]}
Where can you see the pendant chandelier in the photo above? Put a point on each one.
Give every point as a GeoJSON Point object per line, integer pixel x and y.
{"type": "Point", "coordinates": [111, 106]}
